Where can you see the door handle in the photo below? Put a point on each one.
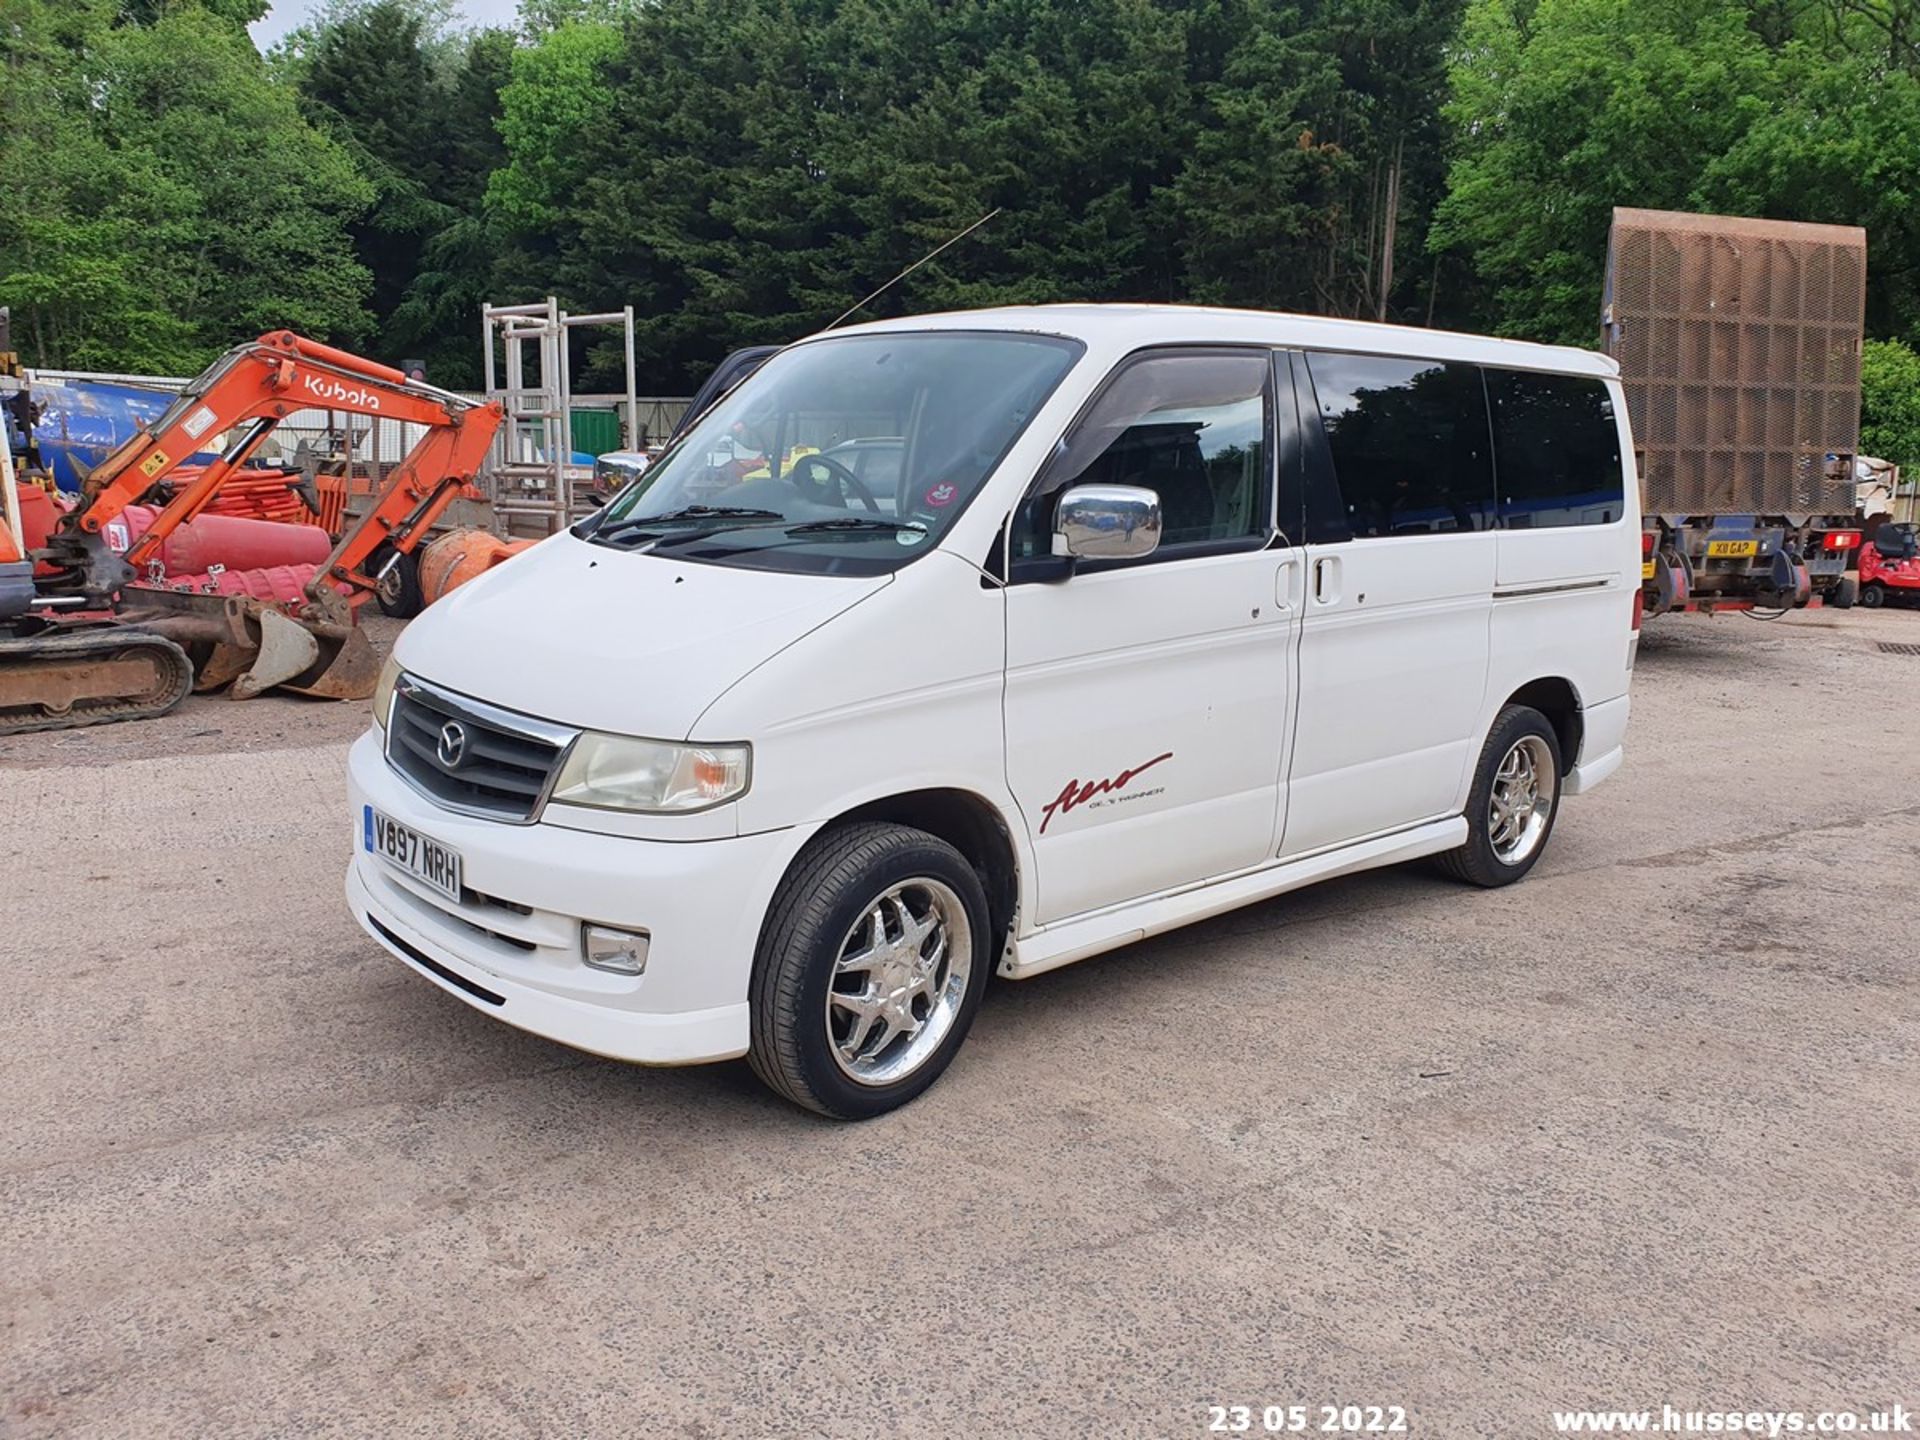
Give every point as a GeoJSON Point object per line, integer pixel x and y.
{"type": "Point", "coordinates": [1326, 580]}
{"type": "Point", "coordinates": [1283, 584]}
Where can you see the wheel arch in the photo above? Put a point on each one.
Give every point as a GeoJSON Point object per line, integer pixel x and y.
{"type": "Point", "coordinates": [967, 821]}
{"type": "Point", "coordinates": [1554, 697]}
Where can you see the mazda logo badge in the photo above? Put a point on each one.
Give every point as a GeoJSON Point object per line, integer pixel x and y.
{"type": "Point", "coordinates": [453, 744]}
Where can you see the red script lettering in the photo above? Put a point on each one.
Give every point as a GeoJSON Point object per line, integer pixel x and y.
{"type": "Point", "coordinates": [1077, 794]}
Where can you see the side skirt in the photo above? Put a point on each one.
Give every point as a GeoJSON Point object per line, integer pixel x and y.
{"type": "Point", "coordinates": [1066, 941]}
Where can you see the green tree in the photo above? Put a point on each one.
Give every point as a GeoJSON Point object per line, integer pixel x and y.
{"type": "Point", "coordinates": [367, 78]}
{"type": "Point", "coordinates": [1565, 109]}
{"type": "Point", "coordinates": [556, 96]}
{"type": "Point", "coordinates": [454, 275]}
{"type": "Point", "coordinates": [1572, 109]}
{"type": "Point", "coordinates": [744, 171]}
{"type": "Point", "coordinates": [178, 202]}
{"type": "Point", "coordinates": [1839, 145]}
{"type": "Point", "coordinates": [1890, 403]}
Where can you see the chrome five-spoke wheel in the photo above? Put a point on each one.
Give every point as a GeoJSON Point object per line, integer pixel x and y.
{"type": "Point", "coordinates": [1522, 800]}
{"type": "Point", "coordinates": [870, 968]}
{"type": "Point", "coordinates": [899, 981]}
{"type": "Point", "coordinates": [1510, 808]}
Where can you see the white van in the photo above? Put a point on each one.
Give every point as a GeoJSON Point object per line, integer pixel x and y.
{"type": "Point", "coordinates": [988, 642]}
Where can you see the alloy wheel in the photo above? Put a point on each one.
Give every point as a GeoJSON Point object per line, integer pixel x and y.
{"type": "Point", "coordinates": [1522, 800]}
{"type": "Point", "coordinates": [898, 981]}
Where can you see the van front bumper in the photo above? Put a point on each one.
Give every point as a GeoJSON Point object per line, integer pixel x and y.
{"type": "Point", "coordinates": [511, 947]}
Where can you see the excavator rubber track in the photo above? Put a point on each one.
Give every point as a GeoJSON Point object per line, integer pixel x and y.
{"type": "Point", "coordinates": [63, 679]}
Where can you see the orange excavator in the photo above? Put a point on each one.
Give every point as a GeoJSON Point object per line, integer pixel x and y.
{"type": "Point", "coordinates": [89, 635]}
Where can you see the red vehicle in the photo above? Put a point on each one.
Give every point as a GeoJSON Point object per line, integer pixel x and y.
{"type": "Point", "coordinates": [1890, 566]}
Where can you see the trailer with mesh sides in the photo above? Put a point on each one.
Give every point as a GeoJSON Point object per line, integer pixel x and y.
{"type": "Point", "coordinates": [1739, 349]}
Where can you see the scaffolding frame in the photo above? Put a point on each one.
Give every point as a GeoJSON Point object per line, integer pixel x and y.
{"type": "Point", "coordinates": [531, 476]}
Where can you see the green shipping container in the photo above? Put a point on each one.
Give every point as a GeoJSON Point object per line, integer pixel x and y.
{"type": "Point", "coordinates": [594, 432]}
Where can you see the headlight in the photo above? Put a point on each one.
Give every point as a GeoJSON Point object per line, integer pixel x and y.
{"type": "Point", "coordinates": [383, 691]}
{"type": "Point", "coordinates": [615, 772]}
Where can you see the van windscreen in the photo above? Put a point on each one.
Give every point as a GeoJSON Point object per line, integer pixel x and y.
{"type": "Point", "coordinates": [850, 455]}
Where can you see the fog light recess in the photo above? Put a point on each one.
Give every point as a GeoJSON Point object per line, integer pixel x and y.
{"type": "Point", "coordinates": [620, 952]}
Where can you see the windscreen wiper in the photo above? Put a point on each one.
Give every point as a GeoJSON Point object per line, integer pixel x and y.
{"type": "Point", "coordinates": [637, 524]}
{"type": "Point", "coordinates": [856, 525]}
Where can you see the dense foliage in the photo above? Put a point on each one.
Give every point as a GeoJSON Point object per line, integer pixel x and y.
{"type": "Point", "coordinates": [744, 170]}
{"type": "Point", "coordinates": [1890, 403]}
{"type": "Point", "coordinates": [162, 193]}
{"type": "Point", "coordinates": [1563, 109]}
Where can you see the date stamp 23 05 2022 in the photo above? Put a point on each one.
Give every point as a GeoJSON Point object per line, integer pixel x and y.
{"type": "Point", "coordinates": [1306, 1419]}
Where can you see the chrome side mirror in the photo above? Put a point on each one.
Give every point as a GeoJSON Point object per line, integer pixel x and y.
{"type": "Point", "coordinates": [1106, 522]}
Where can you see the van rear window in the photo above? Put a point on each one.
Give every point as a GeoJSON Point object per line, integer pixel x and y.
{"type": "Point", "coordinates": [1556, 450]}
{"type": "Point", "coordinates": [1409, 443]}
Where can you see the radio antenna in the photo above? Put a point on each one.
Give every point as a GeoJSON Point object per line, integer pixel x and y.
{"type": "Point", "coordinates": [855, 309]}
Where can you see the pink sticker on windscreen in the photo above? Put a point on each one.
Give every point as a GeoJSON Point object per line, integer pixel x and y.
{"type": "Point", "coordinates": [942, 494]}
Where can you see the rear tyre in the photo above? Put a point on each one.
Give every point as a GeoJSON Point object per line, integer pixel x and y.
{"type": "Point", "coordinates": [1515, 798]}
{"type": "Point", "coordinates": [871, 964]}
{"type": "Point", "coordinates": [398, 594]}
{"type": "Point", "coordinates": [1844, 594]}
{"type": "Point", "coordinates": [1873, 595]}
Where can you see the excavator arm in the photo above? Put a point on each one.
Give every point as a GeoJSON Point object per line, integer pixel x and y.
{"type": "Point", "coordinates": [249, 391]}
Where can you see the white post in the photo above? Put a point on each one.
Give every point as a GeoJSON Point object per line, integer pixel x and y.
{"type": "Point", "coordinates": [10, 491]}
{"type": "Point", "coordinates": [630, 435]}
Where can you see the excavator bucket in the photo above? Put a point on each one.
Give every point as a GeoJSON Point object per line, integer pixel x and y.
{"type": "Point", "coordinates": [218, 666]}
{"type": "Point", "coordinates": [287, 648]}
{"type": "Point", "coordinates": [253, 647]}
{"type": "Point", "coordinates": [347, 669]}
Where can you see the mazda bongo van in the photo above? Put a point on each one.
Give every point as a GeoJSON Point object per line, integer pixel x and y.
{"type": "Point", "coordinates": [983, 643]}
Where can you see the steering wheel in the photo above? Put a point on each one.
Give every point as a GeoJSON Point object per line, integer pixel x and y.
{"type": "Point", "coordinates": [827, 482]}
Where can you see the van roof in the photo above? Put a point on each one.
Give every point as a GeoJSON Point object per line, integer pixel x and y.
{"type": "Point", "coordinates": [1126, 326]}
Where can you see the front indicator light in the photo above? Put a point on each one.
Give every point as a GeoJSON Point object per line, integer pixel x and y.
{"type": "Point", "coordinates": [383, 691]}
{"type": "Point", "coordinates": [617, 772]}
{"type": "Point", "coordinates": [620, 952]}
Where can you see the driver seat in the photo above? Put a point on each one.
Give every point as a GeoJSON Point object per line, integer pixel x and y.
{"type": "Point", "coordinates": [1895, 543]}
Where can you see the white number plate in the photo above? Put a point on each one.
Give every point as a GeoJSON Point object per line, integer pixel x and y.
{"type": "Point", "coordinates": [421, 856]}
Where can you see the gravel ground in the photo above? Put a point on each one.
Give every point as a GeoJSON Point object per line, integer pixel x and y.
{"type": "Point", "coordinates": [1639, 1130]}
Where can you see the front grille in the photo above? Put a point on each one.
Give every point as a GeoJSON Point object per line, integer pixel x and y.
{"type": "Point", "coordinates": [470, 756]}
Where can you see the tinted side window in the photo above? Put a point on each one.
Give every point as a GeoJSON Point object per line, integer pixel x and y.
{"type": "Point", "coordinates": [1192, 426]}
{"type": "Point", "coordinates": [1556, 450]}
{"type": "Point", "coordinates": [1409, 443]}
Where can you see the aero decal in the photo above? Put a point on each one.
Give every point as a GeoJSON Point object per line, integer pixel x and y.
{"type": "Point", "coordinates": [1077, 794]}
{"type": "Point", "coordinates": [323, 388]}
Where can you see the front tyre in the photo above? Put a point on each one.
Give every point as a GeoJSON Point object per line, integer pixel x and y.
{"type": "Point", "coordinates": [871, 964]}
{"type": "Point", "coordinates": [1515, 797]}
{"type": "Point", "coordinates": [1872, 595]}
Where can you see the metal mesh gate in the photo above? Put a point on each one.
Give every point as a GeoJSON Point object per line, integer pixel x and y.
{"type": "Point", "coordinates": [1739, 348]}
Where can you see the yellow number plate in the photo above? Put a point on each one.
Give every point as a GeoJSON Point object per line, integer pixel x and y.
{"type": "Point", "coordinates": [1731, 549]}
{"type": "Point", "coordinates": [1646, 569]}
